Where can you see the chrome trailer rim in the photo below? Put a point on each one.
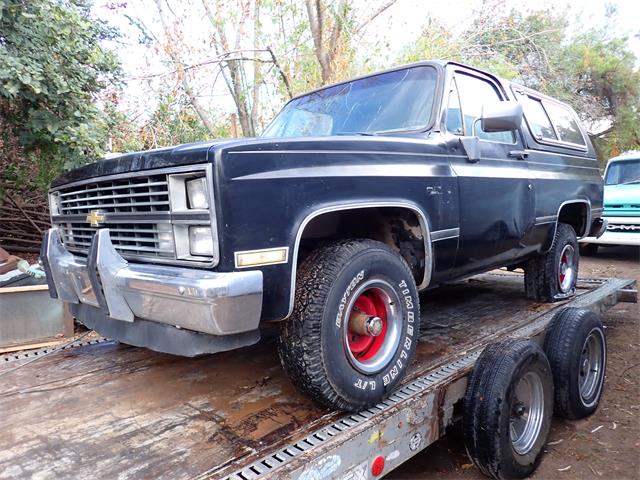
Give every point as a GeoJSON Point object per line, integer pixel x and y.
{"type": "Point", "coordinates": [567, 268]}
{"type": "Point", "coordinates": [527, 413]}
{"type": "Point", "coordinates": [591, 367]}
{"type": "Point", "coordinates": [372, 351]}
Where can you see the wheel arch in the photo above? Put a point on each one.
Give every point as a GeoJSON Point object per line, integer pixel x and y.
{"type": "Point", "coordinates": [371, 208]}
{"type": "Point", "coordinates": [576, 213]}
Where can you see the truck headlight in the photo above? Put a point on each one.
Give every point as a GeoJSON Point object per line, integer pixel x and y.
{"type": "Point", "coordinates": [200, 241]}
{"type": "Point", "coordinates": [197, 193]}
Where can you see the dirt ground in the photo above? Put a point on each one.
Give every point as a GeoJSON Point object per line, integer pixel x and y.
{"type": "Point", "coordinates": [605, 445]}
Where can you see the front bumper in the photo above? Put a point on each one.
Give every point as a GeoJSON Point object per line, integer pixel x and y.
{"type": "Point", "coordinates": [198, 300]}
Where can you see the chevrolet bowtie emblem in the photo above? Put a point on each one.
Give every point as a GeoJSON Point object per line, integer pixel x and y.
{"type": "Point", "coordinates": [95, 218]}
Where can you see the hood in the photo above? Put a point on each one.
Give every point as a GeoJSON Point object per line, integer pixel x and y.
{"type": "Point", "coordinates": [186, 154]}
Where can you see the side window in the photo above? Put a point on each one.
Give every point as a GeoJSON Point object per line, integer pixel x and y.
{"type": "Point", "coordinates": [474, 93]}
{"type": "Point", "coordinates": [565, 123]}
{"type": "Point", "coordinates": [454, 113]}
{"type": "Point", "coordinates": [537, 118]}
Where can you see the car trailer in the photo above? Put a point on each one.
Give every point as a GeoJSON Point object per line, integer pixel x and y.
{"type": "Point", "coordinates": [98, 409]}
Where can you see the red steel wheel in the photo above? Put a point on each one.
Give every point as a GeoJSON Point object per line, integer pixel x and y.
{"type": "Point", "coordinates": [372, 334]}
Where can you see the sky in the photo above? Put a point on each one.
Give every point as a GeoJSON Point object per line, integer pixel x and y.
{"type": "Point", "coordinates": [396, 27]}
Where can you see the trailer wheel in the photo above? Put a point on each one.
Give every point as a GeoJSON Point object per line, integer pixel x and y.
{"type": "Point", "coordinates": [508, 407]}
{"type": "Point", "coordinates": [553, 275]}
{"type": "Point", "coordinates": [355, 324]}
{"type": "Point", "coordinates": [577, 351]}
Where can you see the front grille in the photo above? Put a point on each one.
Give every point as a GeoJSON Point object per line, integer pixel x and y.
{"type": "Point", "coordinates": [149, 240]}
{"type": "Point", "coordinates": [126, 195]}
{"type": "Point", "coordinates": [147, 214]}
{"type": "Point", "coordinates": [623, 228]}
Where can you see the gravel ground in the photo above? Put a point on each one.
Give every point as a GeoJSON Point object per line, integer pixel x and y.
{"type": "Point", "coordinates": [605, 445]}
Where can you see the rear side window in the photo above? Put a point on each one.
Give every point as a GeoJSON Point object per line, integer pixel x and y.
{"type": "Point", "coordinates": [565, 123]}
{"type": "Point", "coordinates": [537, 118]}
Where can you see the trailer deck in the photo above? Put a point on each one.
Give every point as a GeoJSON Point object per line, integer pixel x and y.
{"type": "Point", "coordinates": [102, 409]}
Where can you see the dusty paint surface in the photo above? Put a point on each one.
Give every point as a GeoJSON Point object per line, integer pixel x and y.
{"type": "Point", "coordinates": [112, 411]}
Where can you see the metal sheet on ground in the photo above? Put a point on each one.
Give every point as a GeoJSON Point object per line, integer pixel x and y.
{"type": "Point", "coordinates": [109, 410]}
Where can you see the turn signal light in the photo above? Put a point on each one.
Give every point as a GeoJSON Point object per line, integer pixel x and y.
{"type": "Point", "coordinates": [268, 256]}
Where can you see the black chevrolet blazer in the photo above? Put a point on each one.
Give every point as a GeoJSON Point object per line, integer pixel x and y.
{"type": "Point", "coordinates": [357, 196]}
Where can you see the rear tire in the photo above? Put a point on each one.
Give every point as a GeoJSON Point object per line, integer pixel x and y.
{"type": "Point", "coordinates": [576, 347]}
{"type": "Point", "coordinates": [349, 284]}
{"type": "Point", "coordinates": [508, 408]}
{"type": "Point", "coordinates": [553, 275]}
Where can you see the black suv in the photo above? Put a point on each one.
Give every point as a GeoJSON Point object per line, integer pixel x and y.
{"type": "Point", "coordinates": [358, 196]}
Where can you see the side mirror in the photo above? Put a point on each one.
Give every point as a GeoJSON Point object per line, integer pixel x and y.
{"type": "Point", "coordinates": [501, 116]}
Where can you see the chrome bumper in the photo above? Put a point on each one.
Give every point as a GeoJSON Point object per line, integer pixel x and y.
{"type": "Point", "coordinates": [199, 300]}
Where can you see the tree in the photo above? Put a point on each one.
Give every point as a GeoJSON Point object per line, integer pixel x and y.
{"type": "Point", "coordinates": [594, 71]}
{"type": "Point", "coordinates": [52, 66]}
{"type": "Point", "coordinates": [333, 26]}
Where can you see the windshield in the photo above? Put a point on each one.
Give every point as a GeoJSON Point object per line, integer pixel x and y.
{"type": "Point", "coordinates": [624, 172]}
{"type": "Point", "coordinates": [393, 101]}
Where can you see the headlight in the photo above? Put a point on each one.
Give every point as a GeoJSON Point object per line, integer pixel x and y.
{"type": "Point", "coordinates": [197, 193]}
{"type": "Point", "coordinates": [200, 241]}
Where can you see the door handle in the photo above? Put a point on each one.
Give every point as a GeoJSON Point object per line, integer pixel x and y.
{"type": "Point", "coordinates": [519, 154]}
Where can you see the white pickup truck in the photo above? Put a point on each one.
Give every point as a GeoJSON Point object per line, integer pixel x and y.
{"type": "Point", "coordinates": [621, 204]}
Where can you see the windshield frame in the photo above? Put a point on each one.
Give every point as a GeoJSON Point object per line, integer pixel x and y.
{"type": "Point", "coordinates": [616, 161]}
{"type": "Point", "coordinates": [435, 106]}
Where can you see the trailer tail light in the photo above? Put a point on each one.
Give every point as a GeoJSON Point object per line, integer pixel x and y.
{"type": "Point", "coordinates": [377, 466]}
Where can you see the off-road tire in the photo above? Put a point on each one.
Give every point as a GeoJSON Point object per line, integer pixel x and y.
{"type": "Point", "coordinates": [541, 272]}
{"type": "Point", "coordinates": [487, 408]}
{"type": "Point", "coordinates": [311, 345]}
{"type": "Point", "coordinates": [564, 343]}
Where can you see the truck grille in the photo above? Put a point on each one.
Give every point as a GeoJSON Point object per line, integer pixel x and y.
{"type": "Point", "coordinates": [152, 240]}
{"type": "Point", "coordinates": [623, 228]}
{"type": "Point", "coordinates": [139, 194]}
{"type": "Point", "coordinates": [147, 213]}
{"type": "Point", "coordinates": [127, 195]}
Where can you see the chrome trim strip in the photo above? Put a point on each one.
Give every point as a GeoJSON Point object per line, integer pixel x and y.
{"type": "Point", "coordinates": [286, 256]}
{"type": "Point", "coordinates": [547, 219]}
{"type": "Point", "coordinates": [424, 225]}
{"type": "Point", "coordinates": [438, 235]}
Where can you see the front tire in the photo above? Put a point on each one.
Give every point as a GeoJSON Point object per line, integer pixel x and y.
{"type": "Point", "coordinates": [355, 324]}
{"type": "Point", "coordinates": [553, 275]}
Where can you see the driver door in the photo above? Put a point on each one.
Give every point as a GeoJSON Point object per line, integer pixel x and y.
{"type": "Point", "coordinates": [495, 194]}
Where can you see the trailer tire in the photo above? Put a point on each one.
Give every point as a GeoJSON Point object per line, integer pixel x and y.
{"type": "Point", "coordinates": [340, 286]}
{"type": "Point", "coordinates": [553, 275]}
{"type": "Point", "coordinates": [576, 347]}
{"type": "Point", "coordinates": [508, 408]}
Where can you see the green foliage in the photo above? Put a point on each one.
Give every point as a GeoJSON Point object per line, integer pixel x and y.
{"type": "Point", "coordinates": [173, 122]}
{"type": "Point", "coordinates": [52, 65]}
{"type": "Point", "coordinates": [594, 71]}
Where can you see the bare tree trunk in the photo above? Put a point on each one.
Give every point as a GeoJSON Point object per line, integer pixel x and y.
{"type": "Point", "coordinates": [257, 67]}
{"type": "Point", "coordinates": [315, 13]}
{"type": "Point", "coordinates": [326, 31]}
{"type": "Point", "coordinates": [193, 99]}
{"type": "Point", "coordinates": [236, 70]}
